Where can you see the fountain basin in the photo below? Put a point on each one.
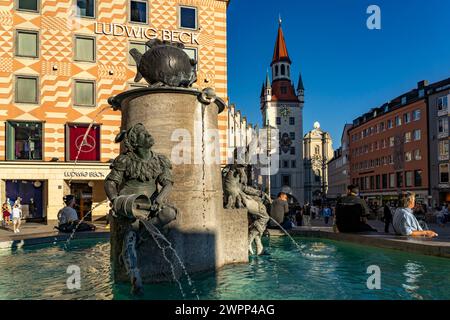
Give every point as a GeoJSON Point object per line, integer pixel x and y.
{"type": "Point", "coordinates": [323, 270]}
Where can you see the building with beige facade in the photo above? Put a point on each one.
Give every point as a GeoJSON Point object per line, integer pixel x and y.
{"type": "Point", "coordinates": [318, 151]}
{"type": "Point", "coordinates": [60, 60]}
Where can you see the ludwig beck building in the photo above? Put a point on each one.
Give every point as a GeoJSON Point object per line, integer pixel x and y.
{"type": "Point", "coordinates": [60, 61]}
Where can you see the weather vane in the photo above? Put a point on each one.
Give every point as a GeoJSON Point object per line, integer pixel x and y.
{"type": "Point", "coordinates": [279, 19]}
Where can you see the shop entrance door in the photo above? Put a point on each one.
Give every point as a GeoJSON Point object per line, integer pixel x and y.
{"type": "Point", "coordinates": [83, 195]}
{"type": "Point", "coordinates": [30, 191]}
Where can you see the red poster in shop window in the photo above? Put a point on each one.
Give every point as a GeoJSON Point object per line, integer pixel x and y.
{"type": "Point", "coordinates": [87, 149]}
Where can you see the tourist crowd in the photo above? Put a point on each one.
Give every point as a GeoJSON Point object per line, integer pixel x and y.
{"type": "Point", "coordinates": [350, 214]}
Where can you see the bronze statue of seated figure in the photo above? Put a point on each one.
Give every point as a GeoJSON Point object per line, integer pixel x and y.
{"type": "Point", "coordinates": [133, 186]}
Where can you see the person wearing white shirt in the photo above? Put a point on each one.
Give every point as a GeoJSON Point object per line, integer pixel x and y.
{"type": "Point", "coordinates": [16, 216]}
{"type": "Point", "coordinates": [405, 223]}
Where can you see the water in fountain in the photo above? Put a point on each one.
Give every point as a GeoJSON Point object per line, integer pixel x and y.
{"type": "Point", "coordinates": [300, 248]}
{"type": "Point", "coordinates": [156, 234]}
{"type": "Point", "coordinates": [66, 246]}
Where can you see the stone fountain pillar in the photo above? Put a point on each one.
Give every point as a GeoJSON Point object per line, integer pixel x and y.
{"type": "Point", "coordinates": [205, 235]}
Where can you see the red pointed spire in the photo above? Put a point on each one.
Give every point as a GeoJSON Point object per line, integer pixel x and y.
{"type": "Point", "coordinates": [280, 52]}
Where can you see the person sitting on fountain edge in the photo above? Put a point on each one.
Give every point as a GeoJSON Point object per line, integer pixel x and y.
{"type": "Point", "coordinates": [405, 223]}
{"type": "Point", "coordinates": [278, 212]}
{"type": "Point", "coordinates": [68, 218]}
{"type": "Point", "coordinates": [352, 212]}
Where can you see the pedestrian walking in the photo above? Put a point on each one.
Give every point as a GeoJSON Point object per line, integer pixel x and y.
{"type": "Point", "coordinates": [326, 212]}
{"type": "Point", "coordinates": [16, 217]}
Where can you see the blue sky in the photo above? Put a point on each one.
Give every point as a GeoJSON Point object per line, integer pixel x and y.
{"type": "Point", "coordinates": [347, 68]}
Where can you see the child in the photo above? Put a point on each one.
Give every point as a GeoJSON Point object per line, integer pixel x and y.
{"type": "Point", "coordinates": [16, 216]}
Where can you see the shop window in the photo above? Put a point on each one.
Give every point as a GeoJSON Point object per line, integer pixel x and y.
{"type": "Point", "coordinates": [26, 89]}
{"type": "Point", "coordinates": [27, 43]}
{"type": "Point", "coordinates": [188, 17]}
{"type": "Point", "coordinates": [24, 140]}
{"type": "Point", "coordinates": [409, 178]}
{"type": "Point", "coordinates": [84, 93]}
{"type": "Point", "coordinates": [443, 173]}
{"type": "Point", "coordinates": [140, 46]}
{"type": "Point", "coordinates": [84, 49]}
{"type": "Point", "coordinates": [86, 8]}
{"type": "Point", "coordinates": [418, 178]}
{"type": "Point", "coordinates": [28, 5]}
{"type": "Point", "coordinates": [377, 182]}
{"type": "Point", "coordinates": [138, 11]}
{"type": "Point", "coordinates": [82, 146]}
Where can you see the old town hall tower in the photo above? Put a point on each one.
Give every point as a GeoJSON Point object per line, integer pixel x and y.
{"type": "Point", "coordinates": [282, 108]}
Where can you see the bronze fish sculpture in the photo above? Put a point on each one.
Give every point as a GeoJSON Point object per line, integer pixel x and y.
{"type": "Point", "coordinates": [165, 64]}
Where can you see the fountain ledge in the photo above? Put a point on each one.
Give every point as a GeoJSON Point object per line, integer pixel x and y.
{"type": "Point", "coordinates": [379, 240]}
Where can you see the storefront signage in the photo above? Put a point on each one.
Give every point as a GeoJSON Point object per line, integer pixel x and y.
{"type": "Point", "coordinates": [84, 174]}
{"type": "Point", "coordinates": [120, 30]}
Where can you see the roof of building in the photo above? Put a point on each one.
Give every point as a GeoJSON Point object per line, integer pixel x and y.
{"type": "Point", "coordinates": [300, 83]}
{"type": "Point", "coordinates": [420, 93]}
{"type": "Point", "coordinates": [280, 52]}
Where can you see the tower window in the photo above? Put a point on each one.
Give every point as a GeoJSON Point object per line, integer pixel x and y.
{"type": "Point", "coordinates": [288, 71]}
{"type": "Point", "coordinates": [276, 71]}
{"type": "Point", "coordinates": [283, 70]}
{"type": "Point", "coordinates": [283, 90]}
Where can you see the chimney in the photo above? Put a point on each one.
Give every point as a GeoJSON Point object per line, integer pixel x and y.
{"type": "Point", "coordinates": [422, 84]}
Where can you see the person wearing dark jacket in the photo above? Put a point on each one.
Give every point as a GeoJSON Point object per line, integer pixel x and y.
{"type": "Point", "coordinates": [352, 212]}
{"type": "Point", "coordinates": [387, 217]}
